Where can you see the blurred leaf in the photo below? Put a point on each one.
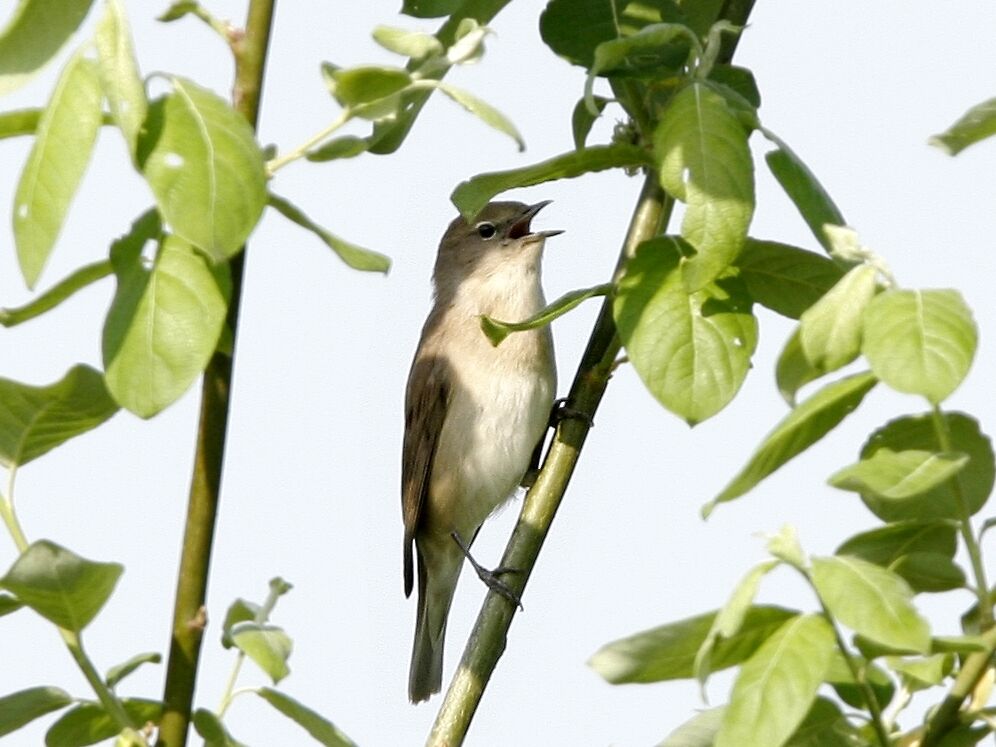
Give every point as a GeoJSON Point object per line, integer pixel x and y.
{"type": "Point", "coordinates": [786, 547]}
{"type": "Point", "coordinates": [163, 326]}
{"type": "Point", "coordinates": [920, 341]}
{"type": "Point", "coordinates": [582, 119]}
{"type": "Point", "coordinates": [805, 425]}
{"type": "Point", "coordinates": [267, 645]}
{"type": "Point", "coordinates": [784, 278]}
{"type": "Point", "coordinates": [430, 8]}
{"type": "Point", "coordinates": [238, 611]}
{"type": "Point", "coordinates": [214, 732]}
{"type": "Point", "coordinates": [497, 331]}
{"type": "Point", "coordinates": [117, 673]}
{"type": "Point", "coordinates": [9, 604]}
{"type": "Point", "coordinates": [698, 731]}
{"type": "Point", "coordinates": [896, 475]}
{"type": "Point", "coordinates": [370, 91]}
{"type": "Point", "coordinates": [472, 195]}
{"type": "Point", "coordinates": [842, 680]}
{"type": "Point", "coordinates": [60, 154]}
{"type": "Point", "coordinates": [919, 433]}
{"type": "Point", "coordinates": [344, 146]}
{"type": "Point", "coordinates": [78, 280]}
{"type": "Point", "coordinates": [204, 167]}
{"type": "Point", "coordinates": [704, 161]}
{"type": "Point", "coordinates": [414, 44]}
{"type": "Point", "coordinates": [887, 544]}
{"type": "Point", "coordinates": [962, 644]}
{"type": "Point", "coordinates": [320, 728]}
{"type": "Point", "coordinates": [89, 723]}
{"type": "Point", "coordinates": [978, 123]}
{"type": "Point", "coordinates": [923, 672]}
{"type": "Point", "coordinates": [825, 726]}
{"type": "Point", "coordinates": [468, 42]}
{"type": "Point", "coordinates": [668, 651]}
{"type": "Point", "coordinates": [121, 81]}
{"type": "Point", "coordinates": [24, 706]}
{"type": "Point", "coordinates": [177, 10]}
{"type": "Point", "coordinates": [740, 80]}
{"type": "Point", "coordinates": [355, 256]}
{"type": "Point", "coordinates": [930, 571]}
{"type": "Point", "coordinates": [793, 371]}
{"type": "Point", "coordinates": [19, 122]}
{"type": "Point", "coordinates": [776, 687]}
{"type": "Point", "coordinates": [35, 33]}
{"type": "Point", "coordinates": [61, 586]}
{"type": "Point", "coordinates": [34, 420]}
{"type": "Point", "coordinates": [479, 108]}
{"type": "Point", "coordinates": [871, 601]}
{"type": "Point", "coordinates": [830, 329]}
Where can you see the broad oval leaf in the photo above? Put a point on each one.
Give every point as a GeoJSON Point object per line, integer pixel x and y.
{"type": "Point", "coordinates": [894, 475]}
{"type": "Point", "coordinates": [976, 124]}
{"type": "Point", "coordinates": [63, 144]}
{"type": "Point", "coordinates": [918, 432]}
{"type": "Point", "coordinates": [34, 420]}
{"type": "Point", "coordinates": [61, 586]}
{"type": "Point", "coordinates": [241, 610]}
{"type": "Point", "coordinates": [930, 571]}
{"type": "Point", "coordinates": [830, 330]}
{"type": "Point", "coordinates": [800, 429]}
{"type": "Point", "coordinates": [668, 652]}
{"type": "Point", "coordinates": [414, 44]}
{"type": "Point", "coordinates": [267, 645]}
{"type": "Point", "coordinates": [777, 686]}
{"type": "Point", "coordinates": [871, 601]}
{"type": "Point", "coordinates": [35, 33]}
{"type": "Point", "coordinates": [24, 706]}
{"type": "Point", "coordinates": [89, 723]}
{"type": "Point", "coordinates": [320, 728]}
{"type": "Point", "coordinates": [784, 278]}
{"type": "Point", "coordinates": [887, 544]}
{"type": "Point", "coordinates": [163, 326]}
{"type": "Point", "coordinates": [497, 330]}
{"type": "Point", "coordinates": [701, 150]}
{"type": "Point", "coordinates": [825, 726]}
{"type": "Point", "coordinates": [363, 86]}
{"type": "Point", "coordinates": [204, 167]}
{"type": "Point", "coordinates": [920, 341]}
{"type": "Point", "coordinates": [119, 74]}
{"type": "Point", "coordinates": [793, 370]}
{"type": "Point", "coordinates": [692, 350]}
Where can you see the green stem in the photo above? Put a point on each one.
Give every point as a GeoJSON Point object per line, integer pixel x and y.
{"type": "Point", "coordinates": [302, 150]}
{"type": "Point", "coordinates": [107, 699]}
{"type": "Point", "coordinates": [10, 515]}
{"type": "Point", "coordinates": [202, 508]}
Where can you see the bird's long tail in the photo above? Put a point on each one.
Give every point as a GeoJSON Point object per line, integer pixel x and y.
{"type": "Point", "coordinates": [435, 594]}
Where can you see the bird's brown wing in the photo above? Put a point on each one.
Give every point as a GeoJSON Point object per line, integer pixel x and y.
{"type": "Point", "coordinates": [425, 410]}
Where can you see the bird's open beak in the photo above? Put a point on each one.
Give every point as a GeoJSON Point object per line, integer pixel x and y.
{"type": "Point", "coordinates": [521, 229]}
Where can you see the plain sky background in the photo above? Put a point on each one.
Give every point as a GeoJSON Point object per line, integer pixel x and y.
{"type": "Point", "coordinates": [311, 479]}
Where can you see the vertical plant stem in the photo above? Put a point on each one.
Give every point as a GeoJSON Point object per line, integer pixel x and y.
{"type": "Point", "coordinates": [202, 509]}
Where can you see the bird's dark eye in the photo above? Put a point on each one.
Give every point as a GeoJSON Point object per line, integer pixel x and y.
{"type": "Point", "coordinates": [486, 230]}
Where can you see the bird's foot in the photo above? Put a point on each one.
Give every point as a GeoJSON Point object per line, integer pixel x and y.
{"type": "Point", "coordinates": [562, 410]}
{"type": "Point", "coordinates": [490, 577]}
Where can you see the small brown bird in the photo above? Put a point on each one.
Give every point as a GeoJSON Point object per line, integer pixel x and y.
{"type": "Point", "coordinates": [473, 412]}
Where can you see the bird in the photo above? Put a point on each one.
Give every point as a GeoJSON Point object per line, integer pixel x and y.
{"type": "Point", "coordinates": [474, 413]}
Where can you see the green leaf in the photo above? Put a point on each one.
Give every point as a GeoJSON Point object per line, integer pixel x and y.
{"type": "Point", "coordinates": [815, 206]}
{"type": "Point", "coordinates": [163, 326]}
{"type": "Point", "coordinates": [414, 44]}
{"type": "Point", "coordinates": [61, 586]}
{"type": "Point", "coordinates": [9, 604]}
{"type": "Point", "coordinates": [320, 728]}
{"type": "Point", "coordinates": [78, 280]}
{"type": "Point", "coordinates": [358, 87]}
{"type": "Point", "coordinates": [344, 146]}
{"type": "Point", "coordinates": [238, 611]}
{"type": "Point", "coordinates": [472, 195]}
{"type": "Point", "coordinates": [24, 706]}
{"type": "Point", "coordinates": [740, 81]}
{"type": "Point", "coordinates": [887, 544]}
{"type": "Point", "coordinates": [430, 8]}
{"type": "Point", "coordinates": [920, 341]}
{"type": "Point", "coordinates": [698, 731]}
{"type": "Point", "coordinates": [704, 161]}
{"type": "Point", "coordinates": [786, 547]}
{"type": "Point", "coordinates": [63, 144]}
{"type": "Point", "coordinates": [267, 645]}
{"type": "Point", "coordinates": [793, 371]}
{"type": "Point", "coordinates": [691, 350]}
{"type": "Point", "coordinates": [872, 601]}
{"type": "Point", "coordinates": [930, 571]}
{"type": "Point", "coordinates": [777, 686]}
{"type": "Point", "coordinates": [894, 475]}
{"type": "Point", "coordinates": [478, 107]}
{"type": "Point", "coordinates": [784, 278]}
{"type": "Point", "coordinates": [824, 726]}
{"type": "Point", "coordinates": [962, 644]}
{"type": "Point", "coordinates": [355, 256]}
{"type": "Point", "coordinates": [974, 481]}
{"type": "Point", "coordinates": [668, 651]}
{"type": "Point", "coordinates": [976, 124]}
{"type": "Point", "coordinates": [920, 673]}
{"type": "Point", "coordinates": [121, 81]}
{"type": "Point", "coordinates": [204, 167]}
{"type": "Point", "coordinates": [582, 119]}
{"type": "Point", "coordinates": [497, 331]}
{"type": "Point", "coordinates": [830, 330]}
{"type": "Point", "coordinates": [89, 723]}
{"type": "Point", "coordinates": [214, 732]}
{"type": "Point", "coordinates": [35, 33]}
{"type": "Point", "coordinates": [800, 429]}
{"type": "Point", "coordinates": [841, 678]}
{"type": "Point", "coordinates": [118, 672]}
{"type": "Point", "coordinates": [34, 420]}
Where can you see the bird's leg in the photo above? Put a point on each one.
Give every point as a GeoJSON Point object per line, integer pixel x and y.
{"type": "Point", "coordinates": [490, 578]}
{"type": "Point", "coordinates": [563, 411]}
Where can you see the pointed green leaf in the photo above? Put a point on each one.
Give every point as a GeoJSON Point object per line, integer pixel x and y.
{"type": "Point", "coordinates": [961, 644]}
{"type": "Point", "coordinates": [920, 673]}
{"type": "Point", "coordinates": [841, 678]}
{"type": "Point", "coordinates": [117, 673]}
{"type": "Point", "coordinates": [800, 429]}
{"type": "Point", "coordinates": [63, 143]}
{"type": "Point", "coordinates": [89, 723]}
{"type": "Point", "coordinates": [320, 728]}
{"type": "Point", "coordinates": [825, 726]}
{"type": "Point", "coordinates": [698, 731]}
{"type": "Point", "coordinates": [896, 475]}
{"type": "Point", "coordinates": [34, 420]}
{"type": "Point", "coordinates": [78, 280]}
{"type": "Point", "coordinates": [830, 330]}
{"type": "Point", "coordinates": [414, 44]}
{"type": "Point", "coordinates": [918, 433]}
{"type": "Point", "coordinates": [35, 33]}
{"type": "Point", "coordinates": [793, 371]}
{"type": "Point", "coordinates": [163, 325]}
{"type": "Point", "coordinates": [784, 278]}
{"type": "Point", "coordinates": [872, 601]}
{"type": "Point", "coordinates": [9, 604]}
{"type": "Point", "coordinates": [887, 544]}
{"type": "Point", "coordinates": [238, 611]}
{"type": "Point", "coordinates": [344, 146]}
{"type": "Point", "coordinates": [119, 74]}
{"type": "Point", "coordinates": [930, 571]}
{"type": "Point", "coordinates": [583, 119]}
{"type": "Point", "coordinates": [976, 124]}
{"type": "Point", "coordinates": [478, 107]}
{"type": "Point", "coordinates": [692, 350]}
{"type": "Point", "coordinates": [668, 652]}
{"type": "Point", "coordinates": [267, 645]}
{"type": "Point", "coordinates": [472, 195]}
{"type": "Point", "coordinates": [777, 686]}
{"type": "Point", "coordinates": [61, 586]}
{"type": "Point", "coordinates": [815, 206]}
{"type": "Point", "coordinates": [430, 8]}
{"type": "Point", "coordinates": [214, 732]}
{"type": "Point", "coordinates": [920, 341]}
{"type": "Point", "coordinates": [204, 167]}
{"type": "Point", "coordinates": [362, 86]}
{"type": "Point", "coordinates": [704, 161]}
{"type": "Point", "coordinates": [24, 706]}
{"type": "Point", "coordinates": [355, 256]}
{"type": "Point", "coordinates": [498, 331]}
